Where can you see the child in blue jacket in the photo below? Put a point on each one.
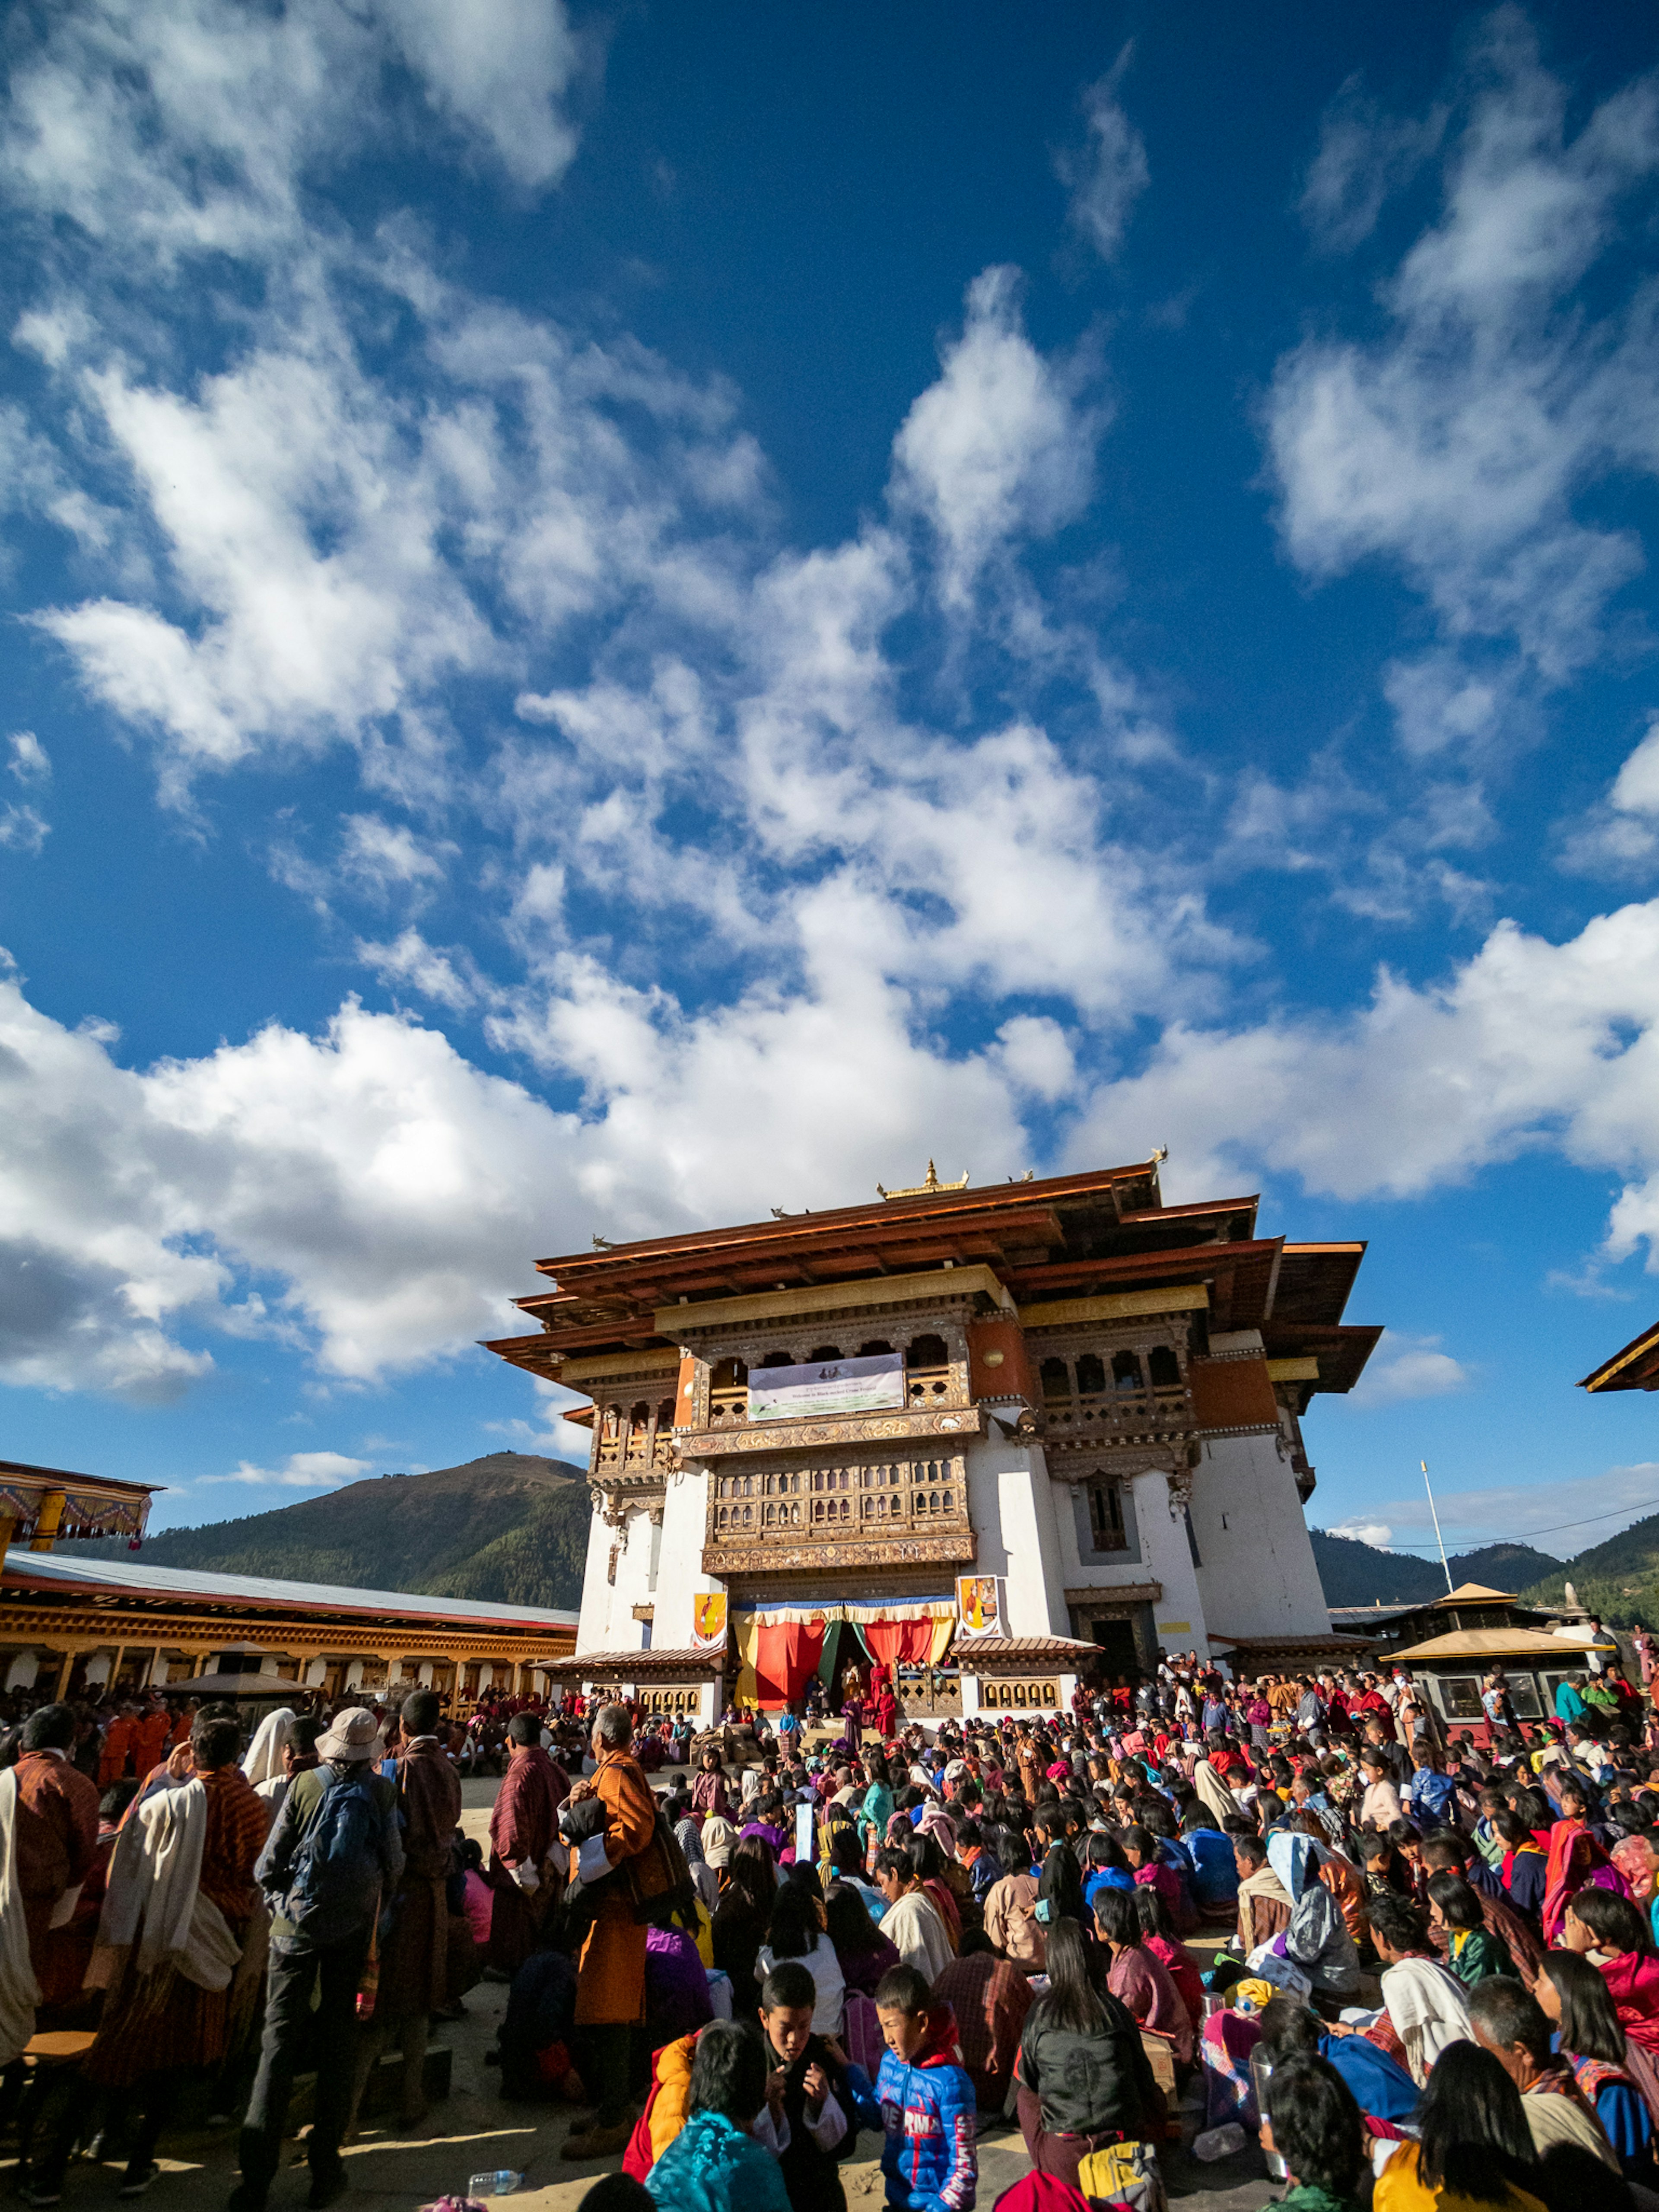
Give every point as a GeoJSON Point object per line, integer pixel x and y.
{"type": "Point", "coordinates": [928, 2107]}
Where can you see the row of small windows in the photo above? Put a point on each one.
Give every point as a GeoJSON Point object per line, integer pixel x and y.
{"type": "Point", "coordinates": [1162, 1372]}
{"type": "Point", "coordinates": [793, 1484]}
{"type": "Point", "coordinates": [787, 1513]}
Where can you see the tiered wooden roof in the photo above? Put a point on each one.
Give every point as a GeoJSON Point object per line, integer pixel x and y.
{"type": "Point", "coordinates": [1635, 1368]}
{"type": "Point", "coordinates": [1062, 1237]}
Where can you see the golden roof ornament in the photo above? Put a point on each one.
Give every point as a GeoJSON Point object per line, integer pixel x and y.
{"type": "Point", "coordinates": [926, 1189]}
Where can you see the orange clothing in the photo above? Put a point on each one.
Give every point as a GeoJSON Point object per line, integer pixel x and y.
{"type": "Point", "coordinates": [150, 1741]}
{"type": "Point", "coordinates": [118, 1750]}
{"type": "Point", "coordinates": [610, 1971]}
{"type": "Point", "coordinates": [1399, 2190]}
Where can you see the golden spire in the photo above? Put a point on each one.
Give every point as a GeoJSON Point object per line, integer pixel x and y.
{"type": "Point", "coordinates": [926, 1189]}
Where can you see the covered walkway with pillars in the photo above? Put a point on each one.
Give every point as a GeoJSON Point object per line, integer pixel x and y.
{"type": "Point", "coordinates": [77, 1627]}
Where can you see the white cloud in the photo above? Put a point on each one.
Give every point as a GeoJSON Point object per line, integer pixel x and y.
{"type": "Point", "coordinates": [1407, 1367]}
{"type": "Point", "coordinates": [23, 829]}
{"type": "Point", "coordinates": [1363, 155]}
{"type": "Point", "coordinates": [500, 68]}
{"type": "Point", "coordinates": [1457, 444]}
{"type": "Point", "coordinates": [412, 961]}
{"type": "Point", "coordinates": [1526, 1046]}
{"type": "Point", "coordinates": [1376, 1533]}
{"type": "Point", "coordinates": [30, 762]}
{"type": "Point", "coordinates": [317, 1470]}
{"type": "Point", "coordinates": [1000, 445]}
{"type": "Point", "coordinates": [1109, 175]}
{"type": "Point", "coordinates": [1621, 835]}
{"type": "Point", "coordinates": [1592, 1507]}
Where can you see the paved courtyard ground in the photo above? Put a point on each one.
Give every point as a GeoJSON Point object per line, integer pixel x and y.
{"type": "Point", "coordinates": [472, 2131]}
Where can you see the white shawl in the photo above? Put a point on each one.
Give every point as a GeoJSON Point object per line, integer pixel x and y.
{"type": "Point", "coordinates": [1427, 2006]}
{"type": "Point", "coordinates": [1213, 1792]}
{"type": "Point", "coordinates": [154, 1894]}
{"type": "Point", "coordinates": [264, 1762]}
{"type": "Point", "coordinates": [19, 1992]}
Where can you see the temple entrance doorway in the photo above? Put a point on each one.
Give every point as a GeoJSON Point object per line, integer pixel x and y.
{"type": "Point", "coordinates": [1118, 1654]}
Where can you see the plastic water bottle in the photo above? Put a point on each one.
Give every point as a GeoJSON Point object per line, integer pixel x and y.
{"type": "Point", "coordinates": [503, 2183]}
{"type": "Point", "coordinates": [1220, 2143]}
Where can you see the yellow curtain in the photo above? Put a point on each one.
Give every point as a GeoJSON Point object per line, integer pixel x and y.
{"type": "Point", "coordinates": [944, 1628]}
{"type": "Point", "coordinates": [745, 1629]}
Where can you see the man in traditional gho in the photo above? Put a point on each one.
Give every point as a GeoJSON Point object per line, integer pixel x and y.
{"type": "Point", "coordinates": [523, 1829]}
{"type": "Point", "coordinates": [611, 1970]}
{"type": "Point", "coordinates": [180, 1907]}
{"type": "Point", "coordinates": [55, 1827]}
{"type": "Point", "coordinates": [414, 1966]}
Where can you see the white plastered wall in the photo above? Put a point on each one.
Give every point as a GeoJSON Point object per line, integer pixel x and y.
{"type": "Point", "coordinates": [1011, 1501]}
{"type": "Point", "coordinates": [679, 1569]}
{"type": "Point", "coordinates": [607, 1622]}
{"type": "Point", "coordinates": [1257, 1573]}
{"type": "Point", "coordinates": [1168, 1560]}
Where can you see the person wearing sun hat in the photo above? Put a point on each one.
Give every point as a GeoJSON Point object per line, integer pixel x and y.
{"type": "Point", "coordinates": [319, 1932]}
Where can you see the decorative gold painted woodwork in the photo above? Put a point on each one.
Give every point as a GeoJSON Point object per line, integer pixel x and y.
{"type": "Point", "coordinates": [849, 1429]}
{"type": "Point", "coordinates": [1103, 1596]}
{"type": "Point", "coordinates": [690, 1324]}
{"type": "Point", "coordinates": [1293, 1371]}
{"type": "Point", "coordinates": [583, 1368]}
{"type": "Point", "coordinates": [1018, 1693]}
{"type": "Point", "coordinates": [777, 1558]}
{"type": "Point", "coordinates": [1116, 1305]}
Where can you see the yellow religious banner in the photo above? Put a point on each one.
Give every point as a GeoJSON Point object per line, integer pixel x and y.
{"type": "Point", "coordinates": [709, 1621]}
{"type": "Point", "coordinates": [979, 1604]}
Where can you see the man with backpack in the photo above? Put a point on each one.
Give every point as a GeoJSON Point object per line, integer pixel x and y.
{"type": "Point", "coordinates": [334, 1855]}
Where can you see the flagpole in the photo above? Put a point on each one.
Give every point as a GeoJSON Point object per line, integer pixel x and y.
{"type": "Point", "coordinates": [1438, 1538]}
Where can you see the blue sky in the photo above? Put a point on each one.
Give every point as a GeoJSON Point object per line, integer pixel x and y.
{"type": "Point", "coordinates": [619, 619]}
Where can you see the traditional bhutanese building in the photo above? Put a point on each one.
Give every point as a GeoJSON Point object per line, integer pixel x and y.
{"type": "Point", "coordinates": [1033, 1425]}
{"type": "Point", "coordinates": [75, 1624]}
{"type": "Point", "coordinates": [1635, 1368]}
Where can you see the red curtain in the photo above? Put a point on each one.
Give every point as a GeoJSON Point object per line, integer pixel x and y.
{"type": "Point", "coordinates": [891, 1641]}
{"type": "Point", "coordinates": [784, 1657]}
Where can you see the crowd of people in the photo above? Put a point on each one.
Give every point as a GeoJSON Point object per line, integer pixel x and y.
{"type": "Point", "coordinates": [1436, 1973]}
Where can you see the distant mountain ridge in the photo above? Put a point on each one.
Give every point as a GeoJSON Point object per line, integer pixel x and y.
{"type": "Point", "coordinates": [510, 1527]}
{"type": "Point", "coordinates": [1352, 1573]}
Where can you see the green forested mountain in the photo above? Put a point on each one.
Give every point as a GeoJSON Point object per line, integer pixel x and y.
{"type": "Point", "coordinates": [1352, 1573]}
{"type": "Point", "coordinates": [1618, 1579]}
{"type": "Point", "coordinates": [510, 1527]}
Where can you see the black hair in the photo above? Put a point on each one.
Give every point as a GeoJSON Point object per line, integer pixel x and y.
{"type": "Point", "coordinates": [1137, 1839]}
{"type": "Point", "coordinates": [1613, 1920]}
{"type": "Point", "coordinates": [1050, 1820]}
{"type": "Point", "coordinates": [794, 1928]}
{"type": "Point", "coordinates": [893, 1859]}
{"type": "Point", "coordinates": [1013, 1852]}
{"type": "Point", "coordinates": [1568, 2176]}
{"type": "Point", "coordinates": [215, 1743]}
{"type": "Point", "coordinates": [728, 2074]}
{"type": "Point", "coordinates": [1070, 2002]}
{"type": "Point", "coordinates": [1250, 1846]}
{"type": "Point", "coordinates": [1101, 1851]}
{"type": "Point", "coordinates": [119, 1795]}
{"type": "Point", "coordinates": [849, 1926]}
{"type": "Point", "coordinates": [902, 1989]}
{"type": "Point", "coordinates": [1155, 1919]}
{"type": "Point", "coordinates": [1317, 2128]}
{"type": "Point", "coordinates": [1116, 1916]}
{"type": "Point", "coordinates": [789, 1985]}
{"type": "Point", "coordinates": [49, 1728]}
{"type": "Point", "coordinates": [752, 1870]}
{"type": "Point", "coordinates": [1460, 1907]}
{"type": "Point", "coordinates": [1400, 1925]}
{"type": "Point", "coordinates": [303, 1734]}
{"type": "Point", "coordinates": [419, 1712]}
{"type": "Point", "coordinates": [524, 1728]}
{"type": "Point", "coordinates": [1589, 2022]}
{"type": "Point", "coordinates": [617, 2192]}
{"type": "Point", "coordinates": [1474, 2139]}
{"type": "Point", "coordinates": [1509, 2016]}
{"type": "Point", "coordinates": [845, 1852]}
{"type": "Point", "coordinates": [1289, 2030]}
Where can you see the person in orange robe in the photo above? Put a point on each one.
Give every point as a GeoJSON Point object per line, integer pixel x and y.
{"type": "Point", "coordinates": [117, 1746]}
{"type": "Point", "coordinates": [611, 1970]}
